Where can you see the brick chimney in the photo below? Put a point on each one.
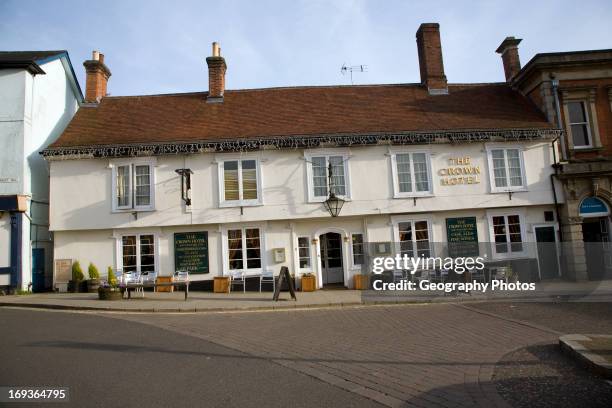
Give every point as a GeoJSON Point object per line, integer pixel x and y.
{"type": "Point", "coordinates": [97, 78]}
{"type": "Point", "coordinates": [510, 56]}
{"type": "Point", "coordinates": [430, 59]}
{"type": "Point", "coordinates": [216, 75]}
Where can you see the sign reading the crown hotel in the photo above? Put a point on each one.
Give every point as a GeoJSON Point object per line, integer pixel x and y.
{"type": "Point", "coordinates": [459, 171]}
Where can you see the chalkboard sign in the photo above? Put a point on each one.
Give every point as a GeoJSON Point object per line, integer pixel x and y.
{"type": "Point", "coordinates": [191, 252]}
{"type": "Point", "coordinates": [284, 276]}
{"type": "Point", "coordinates": [462, 236]}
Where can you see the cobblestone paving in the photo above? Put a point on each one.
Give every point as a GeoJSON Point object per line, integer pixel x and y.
{"type": "Point", "coordinates": [416, 355]}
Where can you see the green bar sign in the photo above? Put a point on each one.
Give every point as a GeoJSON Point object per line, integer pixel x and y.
{"type": "Point", "coordinates": [462, 236]}
{"type": "Point", "coordinates": [191, 252]}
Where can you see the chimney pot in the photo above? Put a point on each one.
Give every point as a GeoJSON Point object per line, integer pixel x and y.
{"type": "Point", "coordinates": [510, 56]}
{"type": "Point", "coordinates": [216, 75]}
{"type": "Point", "coordinates": [430, 59]}
{"type": "Point", "coordinates": [97, 74]}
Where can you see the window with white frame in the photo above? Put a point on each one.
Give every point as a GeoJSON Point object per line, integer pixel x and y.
{"type": "Point", "coordinates": [507, 234]}
{"type": "Point", "coordinates": [318, 166]}
{"type": "Point", "coordinates": [357, 249]}
{"type": "Point", "coordinates": [243, 249]}
{"type": "Point", "coordinates": [304, 252]}
{"type": "Point", "coordinates": [138, 253]}
{"type": "Point", "coordinates": [239, 182]}
{"type": "Point", "coordinates": [411, 174]}
{"type": "Point", "coordinates": [506, 169]}
{"type": "Point", "coordinates": [579, 124]}
{"type": "Point", "coordinates": [414, 238]}
{"type": "Point", "coordinates": [133, 186]}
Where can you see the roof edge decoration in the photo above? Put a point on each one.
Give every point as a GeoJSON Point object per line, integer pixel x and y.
{"type": "Point", "coordinates": [298, 142]}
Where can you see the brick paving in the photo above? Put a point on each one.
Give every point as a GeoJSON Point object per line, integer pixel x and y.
{"type": "Point", "coordinates": [436, 355]}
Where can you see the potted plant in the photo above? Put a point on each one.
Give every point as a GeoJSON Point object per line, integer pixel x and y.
{"type": "Point", "coordinates": [109, 290]}
{"type": "Point", "coordinates": [94, 278]}
{"type": "Point", "coordinates": [77, 277]}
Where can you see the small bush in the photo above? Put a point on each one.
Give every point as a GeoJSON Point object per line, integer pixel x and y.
{"type": "Point", "coordinates": [77, 272]}
{"type": "Point", "coordinates": [112, 279]}
{"type": "Point", "coordinates": [93, 271]}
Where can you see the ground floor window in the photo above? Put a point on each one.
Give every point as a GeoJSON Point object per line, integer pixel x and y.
{"type": "Point", "coordinates": [357, 247]}
{"type": "Point", "coordinates": [507, 233]}
{"type": "Point", "coordinates": [414, 239]}
{"type": "Point", "coordinates": [138, 253]}
{"type": "Point", "coordinates": [244, 249]}
{"type": "Point", "coordinates": [304, 252]}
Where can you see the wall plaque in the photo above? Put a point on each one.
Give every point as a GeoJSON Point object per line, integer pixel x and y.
{"type": "Point", "coordinates": [191, 252]}
{"type": "Point", "coordinates": [462, 236]}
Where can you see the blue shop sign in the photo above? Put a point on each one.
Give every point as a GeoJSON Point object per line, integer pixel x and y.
{"type": "Point", "coordinates": [593, 207]}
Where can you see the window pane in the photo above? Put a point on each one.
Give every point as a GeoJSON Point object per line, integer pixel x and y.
{"type": "Point", "coordinates": [234, 245]}
{"type": "Point", "coordinates": [253, 253]}
{"type": "Point", "coordinates": [499, 168]}
{"type": "Point", "coordinates": [230, 178]}
{"type": "Point", "coordinates": [514, 167]}
{"type": "Point", "coordinates": [129, 253]}
{"type": "Point", "coordinates": [143, 185]}
{"type": "Point", "coordinates": [304, 252]}
{"type": "Point", "coordinates": [337, 164]}
{"type": "Point", "coordinates": [249, 180]}
{"type": "Point", "coordinates": [577, 113]}
{"type": "Point", "coordinates": [580, 135]}
{"type": "Point", "coordinates": [147, 253]}
{"type": "Point", "coordinates": [319, 176]}
{"type": "Point", "coordinates": [357, 249]}
{"type": "Point", "coordinates": [123, 186]}
{"type": "Point", "coordinates": [420, 171]}
{"type": "Point", "coordinates": [405, 237]}
{"type": "Point", "coordinates": [404, 176]}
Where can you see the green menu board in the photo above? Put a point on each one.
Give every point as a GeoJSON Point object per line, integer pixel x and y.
{"type": "Point", "coordinates": [462, 236]}
{"type": "Point", "coordinates": [191, 252]}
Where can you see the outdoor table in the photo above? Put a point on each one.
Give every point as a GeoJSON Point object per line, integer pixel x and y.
{"type": "Point", "coordinates": [134, 285]}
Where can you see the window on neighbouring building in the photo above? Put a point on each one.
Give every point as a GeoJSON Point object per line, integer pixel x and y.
{"type": "Point", "coordinates": [414, 238]}
{"type": "Point", "coordinates": [412, 175]}
{"type": "Point", "coordinates": [240, 182]}
{"type": "Point", "coordinates": [304, 252]}
{"type": "Point", "coordinates": [507, 169]}
{"type": "Point", "coordinates": [243, 249]}
{"type": "Point", "coordinates": [507, 233]}
{"type": "Point", "coordinates": [138, 253]}
{"type": "Point", "coordinates": [579, 124]}
{"type": "Point", "coordinates": [319, 166]}
{"type": "Point", "coordinates": [133, 186]}
{"type": "Point", "coordinates": [358, 254]}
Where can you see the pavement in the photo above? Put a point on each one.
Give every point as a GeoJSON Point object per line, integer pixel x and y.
{"type": "Point", "coordinates": [239, 301]}
{"type": "Point", "coordinates": [412, 355]}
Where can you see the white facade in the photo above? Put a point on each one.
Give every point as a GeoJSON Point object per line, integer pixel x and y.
{"type": "Point", "coordinates": [34, 110]}
{"type": "Point", "coordinates": [285, 201]}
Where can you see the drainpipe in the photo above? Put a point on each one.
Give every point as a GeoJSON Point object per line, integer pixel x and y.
{"type": "Point", "coordinates": [555, 89]}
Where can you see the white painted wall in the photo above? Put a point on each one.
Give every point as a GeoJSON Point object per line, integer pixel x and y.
{"type": "Point", "coordinates": [5, 240]}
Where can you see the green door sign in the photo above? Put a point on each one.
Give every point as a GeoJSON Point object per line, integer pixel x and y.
{"type": "Point", "coordinates": [191, 252]}
{"type": "Point", "coordinates": [462, 236]}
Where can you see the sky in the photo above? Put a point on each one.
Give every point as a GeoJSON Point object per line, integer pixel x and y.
{"type": "Point", "coordinates": [160, 47]}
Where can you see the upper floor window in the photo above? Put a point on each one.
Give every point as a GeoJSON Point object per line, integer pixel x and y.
{"type": "Point", "coordinates": [239, 182]}
{"type": "Point", "coordinates": [411, 174]}
{"type": "Point", "coordinates": [506, 169]}
{"type": "Point", "coordinates": [133, 186]}
{"type": "Point", "coordinates": [580, 129]}
{"type": "Point", "coordinates": [318, 169]}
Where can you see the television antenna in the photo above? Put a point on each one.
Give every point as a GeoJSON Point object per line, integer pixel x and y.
{"type": "Point", "coordinates": [353, 68]}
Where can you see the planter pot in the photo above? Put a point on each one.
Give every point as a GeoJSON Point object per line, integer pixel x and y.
{"type": "Point", "coordinates": [108, 294]}
{"type": "Point", "coordinates": [73, 286]}
{"type": "Point", "coordinates": [93, 285]}
{"type": "Point", "coordinates": [361, 281]}
{"type": "Point", "coordinates": [309, 283]}
{"type": "Point", "coordinates": [221, 284]}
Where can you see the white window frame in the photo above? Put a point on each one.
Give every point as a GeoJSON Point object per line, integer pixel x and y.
{"type": "Point", "coordinates": [504, 147]}
{"type": "Point", "coordinates": [587, 123]}
{"type": "Point", "coordinates": [221, 181]}
{"type": "Point", "coordinates": [327, 153]}
{"type": "Point", "coordinates": [353, 264]}
{"type": "Point", "coordinates": [132, 191]}
{"type": "Point", "coordinates": [505, 213]}
{"type": "Point", "coordinates": [396, 220]}
{"type": "Point", "coordinates": [396, 189]}
{"type": "Point", "coordinates": [225, 248]}
{"type": "Point", "coordinates": [310, 251]}
{"type": "Point", "coordinates": [119, 249]}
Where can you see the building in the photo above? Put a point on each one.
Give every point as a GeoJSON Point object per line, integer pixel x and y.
{"type": "Point", "coordinates": [223, 181]}
{"type": "Point", "coordinates": [40, 94]}
{"type": "Point", "coordinates": [574, 90]}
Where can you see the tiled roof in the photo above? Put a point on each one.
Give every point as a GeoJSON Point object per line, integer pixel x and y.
{"type": "Point", "coordinates": [300, 111]}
